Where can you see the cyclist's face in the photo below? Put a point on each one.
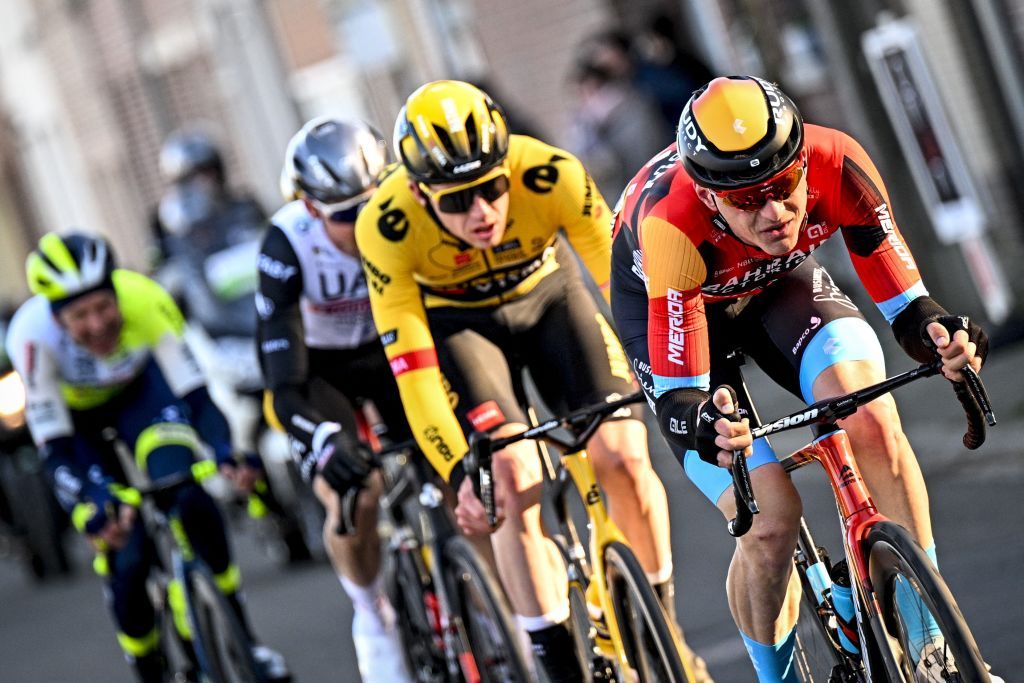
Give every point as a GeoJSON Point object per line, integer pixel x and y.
{"type": "Point", "coordinates": [94, 322]}
{"type": "Point", "coordinates": [342, 233]}
{"type": "Point", "coordinates": [774, 227]}
{"type": "Point", "coordinates": [482, 225]}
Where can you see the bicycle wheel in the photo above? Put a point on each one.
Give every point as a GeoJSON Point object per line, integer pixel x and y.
{"type": "Point", "coordinates": [816, 654]}
{"type": "Point", "coordinates": [481, 618]}
{"type": "Point", "coordinates": [895, 559]}
{"type": "Point", "coordinates": [647, 638]}
{"type": "Point", "coordinates": [413, 597]}
{"type": "Point", "coordinates": [222, 645]}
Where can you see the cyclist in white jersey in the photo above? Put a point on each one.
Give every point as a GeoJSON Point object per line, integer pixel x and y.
{"type": "Point", "coordinates": [321, 355]}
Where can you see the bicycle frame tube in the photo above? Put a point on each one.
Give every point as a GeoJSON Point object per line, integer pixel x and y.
{"type": "Point", "coordinates": [602, 532]}
{"type": "Point", "coordinates": [858, 514]}
{"type": "Point", "coordinates": [856, 508]}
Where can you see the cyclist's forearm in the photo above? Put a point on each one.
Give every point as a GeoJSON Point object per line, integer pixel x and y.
{"type": "Point", "coordinates": [433, 422]}
{"type": "Point", "coordinates": [296, 414]}
{"type": "Point", "coordinates": [210, 423]}
{"type": "Point", "coordinates": [68, 477]}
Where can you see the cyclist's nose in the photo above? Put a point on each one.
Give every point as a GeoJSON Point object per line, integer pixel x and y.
{"type": "Point", "coordinates": [480, 208]}
{"type": "Point", "coordinates": [774, 209]}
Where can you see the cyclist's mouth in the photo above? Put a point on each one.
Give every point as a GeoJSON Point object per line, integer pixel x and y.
{"type": "Point", "coordinates": [104, 343]}
{"type": "Point", "coordinates": [775, 232]}
{"type": "Point", "coordinates": [485, 232]}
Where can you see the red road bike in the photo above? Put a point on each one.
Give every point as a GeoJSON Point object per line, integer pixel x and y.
{"type": "Point", "coordinates": [880, 557]}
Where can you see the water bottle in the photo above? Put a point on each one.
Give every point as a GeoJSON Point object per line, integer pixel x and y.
{"type": "Point", "coordinates": [842, 602]}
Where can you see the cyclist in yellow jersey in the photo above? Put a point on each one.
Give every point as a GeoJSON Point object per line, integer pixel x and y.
{"type": "Point", "coordinates": [470, 277]}
{"type": "Point", "coordinates": [100, 347]}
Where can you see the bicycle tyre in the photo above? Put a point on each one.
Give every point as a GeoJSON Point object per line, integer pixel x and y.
{"type": "Point", "coordinates": [652, 651]}
{"type": "Point", "coordinates": [408, 588]}
{"type": "Point", "coordinates": [222, 645]}
{"type": "Point", "coordinates": [482, 619]}
{"type": "Point", "coordinates": [892, 555]}
{"type": "Point", "coordinates": [582, 629]}
{"type": "Point", "coordinates": [815, 655]}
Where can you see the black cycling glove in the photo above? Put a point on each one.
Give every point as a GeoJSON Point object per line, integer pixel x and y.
{"type": "Point", "coordinates": [910, 329]}
{"type": "Point", "coordinates": [337, 457]}
{"type": "Point", "coordinates": [687, 418]}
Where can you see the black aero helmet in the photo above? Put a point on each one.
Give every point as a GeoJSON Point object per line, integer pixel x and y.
{"type": "Point", "coordinates": [187, 152]}
{"type": "Point", "coordinates": [333, 161]}
{"type": "Point", "coordinates": [738, 131]}
{"type": "Point", "coordinates": [450, 131]}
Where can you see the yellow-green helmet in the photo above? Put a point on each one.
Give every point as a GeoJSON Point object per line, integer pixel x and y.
{"type": "Point", "coordinates": [64, 267]}
{"type": "Point", "coordinates": [450, 131]}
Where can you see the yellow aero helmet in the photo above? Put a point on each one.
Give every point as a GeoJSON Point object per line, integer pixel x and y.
{"type": "Point", "coordinates": [63, 267]}
{"type": "Point", "coordinates": [738, 131]}
{"type": "Point", "coordinates": [450, 131]}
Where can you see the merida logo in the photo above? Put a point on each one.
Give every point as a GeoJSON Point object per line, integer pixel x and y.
{"type": "Point", "coordinates": [675, 326]}
{"type": "Point", "coordinates": [885, 222]}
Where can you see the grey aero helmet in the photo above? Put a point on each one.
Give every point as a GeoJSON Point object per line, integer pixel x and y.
{"type": "Point", "coordinates": [333, 161]}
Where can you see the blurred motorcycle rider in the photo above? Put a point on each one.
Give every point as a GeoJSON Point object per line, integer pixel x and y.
{"type": "Point", "coordinates": [208, 237]}
{"type": "Point", "coordinates": [206, 233]}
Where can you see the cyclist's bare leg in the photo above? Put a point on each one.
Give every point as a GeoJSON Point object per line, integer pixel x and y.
{"type": "Point", "coordinates": [355, 557]}
{"type": "Point", "coordinates": [528, 562]}
{"type": "Point", "coordinates": [636, 497]}
{"type": "Point", "coordinates": [884, 455]}
{"type": "Point", "coordinates": [764, 593]}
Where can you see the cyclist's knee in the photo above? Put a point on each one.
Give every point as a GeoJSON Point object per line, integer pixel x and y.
{"type": "Point", "coordinates": [195, 503]}
{"type": "Point", "coordinates": [772, 538]}
{"type": "Point", "coordinates": [619, 452]}
{"type": "Point", "coordinates": [876, 429]}
{"type": "Point", "coordinates": [517, 474]}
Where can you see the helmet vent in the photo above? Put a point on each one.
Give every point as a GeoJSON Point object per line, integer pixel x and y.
{"type": "Point", "coordinates": [444, 139]}
{"type": "Point", "coordinates": [472, 134]}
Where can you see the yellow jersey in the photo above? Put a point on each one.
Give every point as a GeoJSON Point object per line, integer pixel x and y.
{"type": "Point", "coordinates": [412, 263]}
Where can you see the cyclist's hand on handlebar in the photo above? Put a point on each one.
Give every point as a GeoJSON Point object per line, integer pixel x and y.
{"type": "Point", "coordinates": [470, 513]}
{"type": "Point", "coordinates": [337, 457]}
{"type": "Point", "coordinates": [718, 435]}
{"type": "Point", "coordinates": [114, 533]}
{"type": "Point", "coordinates": [243, 475]}
{"type": "Point", "coordinates": [958, 342]}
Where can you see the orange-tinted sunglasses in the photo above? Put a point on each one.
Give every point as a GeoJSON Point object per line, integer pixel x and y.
{"type": "Point", "coordinates": [776, 188]}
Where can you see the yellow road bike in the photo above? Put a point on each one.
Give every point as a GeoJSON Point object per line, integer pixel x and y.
{"type": "Point", "coordinates": [629, 637]}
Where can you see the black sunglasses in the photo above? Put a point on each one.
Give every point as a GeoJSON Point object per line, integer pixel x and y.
{"type": "Point", "coordinates": [459, 200]}
{"type": "Point", "coordinates": [346, 215]}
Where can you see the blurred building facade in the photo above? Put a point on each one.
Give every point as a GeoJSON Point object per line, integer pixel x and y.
{"type": "Point", "coordinates": [90, 88]}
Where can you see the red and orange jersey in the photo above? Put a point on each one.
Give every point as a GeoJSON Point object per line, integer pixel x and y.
{"type": "Point", "coordinates": [686, 253]}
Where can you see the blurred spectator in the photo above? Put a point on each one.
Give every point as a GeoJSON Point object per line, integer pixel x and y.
{"type": "Point", "coordinates": [517, 123]}
{"type": "Point", "coordinates": [654, 62]}
{"type": "Point", "coordinates": [666, 69]}
{"type": "Point", "coordinates": [616, 128]}
{"type": "Point", "coordinates": [207, 237]}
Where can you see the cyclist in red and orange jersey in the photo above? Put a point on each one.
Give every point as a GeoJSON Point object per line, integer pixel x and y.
{"type": "Point", "coordinates": [712, 251]}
